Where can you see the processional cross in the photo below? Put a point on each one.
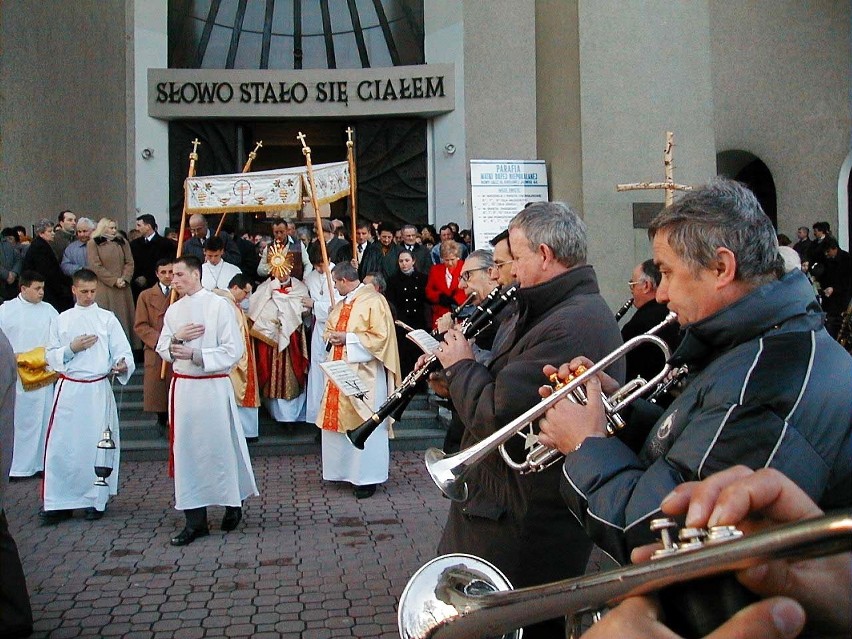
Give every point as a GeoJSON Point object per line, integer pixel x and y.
{"type": "Point", "coordinates": [669, 185]}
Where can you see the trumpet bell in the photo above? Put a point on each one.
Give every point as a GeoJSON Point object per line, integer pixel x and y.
{"type": "Point", "coordinates": [445, 590]}
{"type": "Point", "coordinates": [441, 468]}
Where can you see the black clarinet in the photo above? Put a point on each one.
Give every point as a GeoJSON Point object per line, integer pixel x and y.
{"type": "Point", "coordinates": [623, 310]}
{"type": "Point", "coordinates": [482, 317]}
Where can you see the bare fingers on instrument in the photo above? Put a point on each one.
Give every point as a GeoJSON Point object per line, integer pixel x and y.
{"type": "Point", "coordinates": [634, 618]}
{"type": "Point", "coordinates": [729, 496]}
{"type": "Point", "coordinates": [753, 500]}
{"type": "Point", "coordinates": [454, 348]}
{"type": "Point", "coordinates": [421, 361]}
{"type": "Point", "coordinates": [566, 424]}
{"type": "Point", "coordinates": [638, 618]}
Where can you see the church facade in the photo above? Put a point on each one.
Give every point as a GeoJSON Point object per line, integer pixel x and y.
{"type": "Point", "coordinates": [100, 100]}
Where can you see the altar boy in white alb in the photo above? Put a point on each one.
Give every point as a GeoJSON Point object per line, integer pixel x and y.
{"type": "Point", "coordinates": [86, 345]}
{"type": "Point", "coordinates": [26, 322]}
{"type": "Point", "coordinates": [210, 460]}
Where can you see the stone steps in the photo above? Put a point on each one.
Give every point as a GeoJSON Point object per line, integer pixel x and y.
{"type": "Point", "coordinates": [422, 425]}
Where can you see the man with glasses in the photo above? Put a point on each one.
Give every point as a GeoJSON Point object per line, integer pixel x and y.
{"type": "Point", "coordinates": [201, 233]}
{"type": "Point", "coordinates": [647, 360]}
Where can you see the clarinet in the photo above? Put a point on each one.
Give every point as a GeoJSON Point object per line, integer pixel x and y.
{"type": "Point", "coordinates": [623, 310]}
{"type": "Point", "coordinates": [482, 317]}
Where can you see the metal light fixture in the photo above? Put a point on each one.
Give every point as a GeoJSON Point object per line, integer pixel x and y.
{"type": "Point", "coordinates": [104, 458]}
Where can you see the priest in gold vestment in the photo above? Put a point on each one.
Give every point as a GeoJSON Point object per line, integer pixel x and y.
{"type": "Point", "coordinates": [360, 331]}
{"type": "Point", "coordinates": [277, 311]}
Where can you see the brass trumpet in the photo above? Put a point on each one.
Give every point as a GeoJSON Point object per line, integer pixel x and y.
{"type": "Point", "coordinates": [463, 597]}
{"type": "Point", "coordinates": [448, 471]}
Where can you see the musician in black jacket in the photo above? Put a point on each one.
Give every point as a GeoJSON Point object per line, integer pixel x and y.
{"type": "Point", "coordinates": [647, 360]}
{"type": "Point", "coordinates": [517, 522]}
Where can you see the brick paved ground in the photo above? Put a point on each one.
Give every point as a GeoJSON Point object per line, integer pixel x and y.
{"type": "Point", "coordinates": [308, 561]}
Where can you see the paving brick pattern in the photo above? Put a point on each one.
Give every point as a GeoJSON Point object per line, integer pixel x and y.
{"type": "Point", "coordinates": [309, 560]}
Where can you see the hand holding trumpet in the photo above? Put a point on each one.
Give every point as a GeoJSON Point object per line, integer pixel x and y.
{"type": "Point", "coordinates": [566, 424]}
{"type": "Point", "coordinates": [795, 590]}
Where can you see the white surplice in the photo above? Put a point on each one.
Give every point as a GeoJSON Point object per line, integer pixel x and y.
{"type": "Point", "coordinates": [211, 460]}
{"type": "Point", "coordinates": [218, 276]}
{"type": "Point", "coordinates": [27, 326]}
{"type": "Point", "coordinates": [83, 406]}
{"type": "Point", "coordinates": [317, 284]}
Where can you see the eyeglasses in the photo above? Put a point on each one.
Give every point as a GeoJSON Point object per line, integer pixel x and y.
{"type": "Point", "coordinates": [502, 264]}
{"type": "Point", "coordinates": [632, 284]}
{"type": "Point", "coordinates": [466, 274]}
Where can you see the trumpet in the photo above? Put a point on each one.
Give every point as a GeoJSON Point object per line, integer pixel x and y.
{"type": "Point", "coordinates": [463, 597]}
{"type": "Point", "coordinates": [448, 471]}
{"type": "Point", "coordinates": [481, 318]}
{"type": "Point", "coordinates": [621, 312]}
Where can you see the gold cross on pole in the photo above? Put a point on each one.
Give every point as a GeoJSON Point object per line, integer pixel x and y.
{"type": "Point", "coordinates": [349, 132]}
{"type": "Point", "coordinates": [252, 156]}
{"type": "Point", "coordinates": [306, 150]}
{"type": "Point", "coordinates": [195, 144]}
{"type": "Point", "coordinates": [669, 185]}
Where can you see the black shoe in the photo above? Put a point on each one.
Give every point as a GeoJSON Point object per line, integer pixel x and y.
{"type": "Point", "coordinates": [52, 517]}
{"type": "Point", "coordinates": [363, 492]}
{"type": "Point", "coordinates": [93, 514]}
{"type": "Point", "coordinates": [188, 535]}
{"type": "Point", "coordinates": [233, 517]}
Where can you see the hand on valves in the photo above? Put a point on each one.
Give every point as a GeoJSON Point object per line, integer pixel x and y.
{"type": "Point", "coordinates": [567, 423]}
{"type": "Point", "coordinates": [795, 591]}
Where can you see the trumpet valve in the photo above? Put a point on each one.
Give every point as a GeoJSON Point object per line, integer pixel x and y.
{"type": "Point", "coordinates": [559, 382]}
{"type": "Point", "coordinates": [664, 526]}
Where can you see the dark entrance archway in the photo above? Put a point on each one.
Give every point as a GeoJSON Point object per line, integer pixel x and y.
{"type": "Point", "coordinates": [749, 169]}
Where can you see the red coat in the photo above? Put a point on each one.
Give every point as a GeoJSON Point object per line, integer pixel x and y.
{"type": "Point", "coordinates": [437, 290]}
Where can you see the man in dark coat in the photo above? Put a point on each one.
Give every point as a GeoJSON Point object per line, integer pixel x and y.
{"type": "Point", "coordinates": [836, 282]}
{"type": "Point", "coordinates": [767, 386]}
{"type": "Point", "coordinates": [201, 233]}
{"type": "Point", "coordinates": [148, 249]}
{"type": "Point", "coordinates": [65, 234]}
{"type": "Point", "coordinates": [41, 258]}
{"type": "Point", "coordinates": [519, 522]}
{"type": "Point", "coordinates": [647, 360]}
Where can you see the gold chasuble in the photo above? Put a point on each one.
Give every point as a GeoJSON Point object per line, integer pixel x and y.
{"type": "Point", "coordinates": [366, 314]}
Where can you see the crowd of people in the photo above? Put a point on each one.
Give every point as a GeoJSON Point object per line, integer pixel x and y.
{"type": "Point", "coordinates": [239, 321]}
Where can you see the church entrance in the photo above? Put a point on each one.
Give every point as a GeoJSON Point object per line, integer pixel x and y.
{"type": "Point", "coordinates": [391, 161]}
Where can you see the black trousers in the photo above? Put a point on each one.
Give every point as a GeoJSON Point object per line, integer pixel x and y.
{"type": "Point", "coordinates": [196, 518]}
{"type": "Point", "coordinates": [16, 616]}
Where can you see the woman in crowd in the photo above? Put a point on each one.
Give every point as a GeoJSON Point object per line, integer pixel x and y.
{"type": "Point", "coordinates": [406, 293]}
{"type": "Point", "coordinates": [428, 236]}
{"type": "Point", "coordinates": [442, 287]}
{"type": "Point", "coordinates": [110, 258]}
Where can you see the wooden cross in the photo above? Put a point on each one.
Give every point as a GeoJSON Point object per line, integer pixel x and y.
{"type": "Point", "coordinates": [669, 184]}
{"type": "Point", "coordinates": [349, 133]}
